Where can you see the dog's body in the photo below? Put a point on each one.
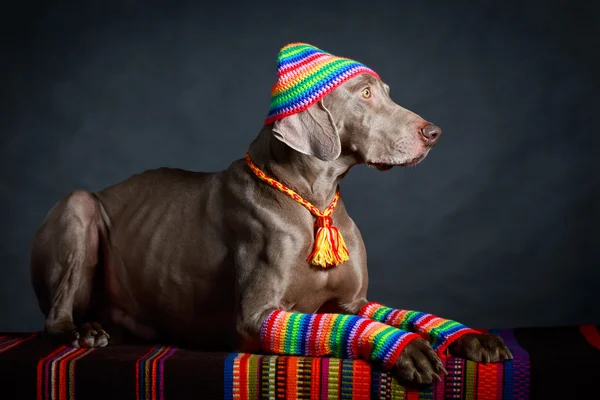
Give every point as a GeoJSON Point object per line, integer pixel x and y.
{"type": "Point", "coordinates": [191, 254]}
{"type": "Point", "coordinates": [199, 259]}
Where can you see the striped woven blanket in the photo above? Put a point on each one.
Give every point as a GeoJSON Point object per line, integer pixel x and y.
{"type": "Point", "coordinates": [549, 363]}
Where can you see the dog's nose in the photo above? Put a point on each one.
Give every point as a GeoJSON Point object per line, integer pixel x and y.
{"type": "Point", "coordinates": [431, 133]}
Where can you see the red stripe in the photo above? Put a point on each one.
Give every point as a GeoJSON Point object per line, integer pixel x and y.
{"type": "Point", "coordinates": [367, 307]}
{"type": "Point", "coordinates": [153, 369]}
{"type": "Point", "coordinates": [40, 371]}
{"type": "Point", "coordinates": [153, 365]}
{"type": "Point", "coordinates": [315, 379]}
{"type": "Point", "coordinates": [441, 386]}
{"type": "Point", "coordinates": [500, 380]}
{"type": "Point", "coordinates": [273, 118]}
{"type": "Point", "coordinates": [8, 344]}
{"type": "Point", "coordinates": [292, 67]}
{"type": "Point", "coordinates": [591, 334]}
{"type": "Point", "coordinates": [280, 378]}
{"type": "Point", "coordinates": [243, 363]}
{"type": "Point", "coordinates": [487, 384]}
{"type": "Point", "coordinates": [411, 393]}
{"type": "Point", "coordinates": [71, 373]}
{"type": "Point", "coordinates": [137, 371]}
{"type": "Point", "coordinates": [425, 321]}
{"type": "Point", "coordinates": [314, 334]}
{"type": "Point", "coordinates": [62, 373]}
{"type": "Point", "coordinates": [453, 338]}
{"type": "Point", "coordinates": [362, 325]}
{"type": "Point", "coordinates": [5, 346]}
{"type": "Point", "coordinates": [268, 343]}
{"type": "Point", "coordinates": [361, 380]}
{"type": "Point", "coordinates": [405, 340]}
{"type": "Point", "coordinates": [292, 378]}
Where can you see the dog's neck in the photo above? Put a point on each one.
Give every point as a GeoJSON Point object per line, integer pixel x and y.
{"type": "Point", "coordinates": [313, 179]}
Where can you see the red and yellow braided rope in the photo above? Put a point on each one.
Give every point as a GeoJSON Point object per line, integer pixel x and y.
{"type": "Point", "coordinates": [329, 248]}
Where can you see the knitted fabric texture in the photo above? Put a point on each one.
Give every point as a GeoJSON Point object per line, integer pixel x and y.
{"type": "Point", "coordinates": [329, 247]}
{"type": "Point", "coordinates": [305, 74]}
{"type": "Point", "coordinates": [338, 335]}
{"type": "Point", "coordinates": [438, 331]}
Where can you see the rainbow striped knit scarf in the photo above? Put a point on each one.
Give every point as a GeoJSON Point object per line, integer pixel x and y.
{"type": "Point", "coordinates": [305, 74]}
{"type": "Point", "coordinates": [438, 331]}
{"type": "Point", "coordinates": [338, 335]}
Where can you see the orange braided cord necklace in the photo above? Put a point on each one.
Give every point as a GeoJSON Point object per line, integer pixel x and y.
{"type": "Point", "coordinates": [329, 248]}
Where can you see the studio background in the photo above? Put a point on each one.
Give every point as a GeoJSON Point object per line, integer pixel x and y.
{"type": "Point", "coordinates": [497, 228]}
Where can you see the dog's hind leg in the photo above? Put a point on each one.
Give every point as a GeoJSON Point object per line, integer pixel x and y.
{"type": "Point", "coordinates": [64, 263]}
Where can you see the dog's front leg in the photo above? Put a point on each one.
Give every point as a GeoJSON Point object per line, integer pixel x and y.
{"type": "Point", "coordinates": [443, 334]}
{"type": "Point", "coordinates": [263, 320]}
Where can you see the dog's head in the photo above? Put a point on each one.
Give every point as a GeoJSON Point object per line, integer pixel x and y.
{"type": "Point", "coordinates": [357, 117]}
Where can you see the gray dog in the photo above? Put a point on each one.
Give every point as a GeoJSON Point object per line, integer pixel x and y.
{"type": "Point", "coordinates": [204, 259]}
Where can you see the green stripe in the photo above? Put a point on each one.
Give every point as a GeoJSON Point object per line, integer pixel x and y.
{"type": "Point", "coordinates": [437, 334]}
{"type": "Point", "coordinates": [446, 326]}
{"type": "Point", "coordinates": [333, 343]}
{"type": "Point", "coordinates": [294, 322]}
{"type": "Point", "coordinates": [343, 326]}
{"type": "Point", "coordinates": [405, 325]}
{"type": "Point", "coordinates": [310, 81]}
{"type": "Point", "coordinates": [292, 50]}
{"type": "Point", "coordinates": [378, 342]}
{"type": "Point", "coordinates": [378, 315]}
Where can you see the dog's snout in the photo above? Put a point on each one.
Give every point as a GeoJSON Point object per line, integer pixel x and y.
{"type": "Point", "coordinates": [431, 133]}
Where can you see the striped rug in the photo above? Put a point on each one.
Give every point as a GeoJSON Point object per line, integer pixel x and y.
{"type": "Point", "coordinates": [282, 377]}
{"type": "Point", "coordinates": [561, 362]}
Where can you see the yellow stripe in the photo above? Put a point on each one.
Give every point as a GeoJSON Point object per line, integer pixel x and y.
{"type": "Point", "coordinates": [284, 331]}
{"type": "Point", "coordinates": [333, 386]}
{"type": "Point", "coordinates": [253, 362]}
{"type": "Point", "coordinates": [470, 377]}
{"type": "Point", "coordinates": [54, 373]}
{"type": "Point", "coordinates": [398, 391]}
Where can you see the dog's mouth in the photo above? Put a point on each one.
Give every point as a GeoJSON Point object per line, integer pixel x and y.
{"type": "Point", "coordinates": [387, 167]}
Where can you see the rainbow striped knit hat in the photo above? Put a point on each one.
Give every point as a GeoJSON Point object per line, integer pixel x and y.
{"type": "Point", "coordinates": [305, 74]}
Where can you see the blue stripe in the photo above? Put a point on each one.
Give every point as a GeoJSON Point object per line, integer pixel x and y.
{"type": "Point", "coordinates": [346, 383]}
{"type": "Point", "coordinates": [333, 73]}
{"type": "Point", "coordinates": [305, 323]}
{"type": "Point", "coordinates": [302, 96]}
{"type": "Point", "coordinates": [142, 368]}
{"type": "Point", "coordinates": [228, 376]}
{"type": "Point", "coordinates": [386, 315]}
{"type": "Point", "coordinates": [346, 335]}
{"type": "Point", "coordinates": [306, 53]}
{"type": "Point", "coordinates": [516, 370]}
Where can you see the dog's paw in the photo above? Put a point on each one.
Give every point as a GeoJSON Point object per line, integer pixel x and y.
{"type": "Point", "coordinates": [90, 335]}
{"type": "Point", "coordinates": [481, 348]}
{"type": "Point", "coordinates": [419, 364]}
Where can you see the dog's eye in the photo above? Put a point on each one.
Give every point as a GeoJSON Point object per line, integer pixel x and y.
{"type": "Point", "coordinates": [366, 93]}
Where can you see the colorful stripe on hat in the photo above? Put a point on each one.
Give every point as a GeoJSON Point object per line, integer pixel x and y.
{"type": "Point", "coordinates": [305, 74]}
{"type": "Point", "coordinates": [338, 335]}
{"type": "Point", "coordinates": [438, 331]}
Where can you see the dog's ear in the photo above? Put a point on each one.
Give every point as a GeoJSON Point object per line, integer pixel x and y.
{"type": "Point", "coordinates": [310, 132]}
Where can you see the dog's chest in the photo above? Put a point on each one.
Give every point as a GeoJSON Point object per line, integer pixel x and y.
{"type": "Point", "coordinates": [311, 287]}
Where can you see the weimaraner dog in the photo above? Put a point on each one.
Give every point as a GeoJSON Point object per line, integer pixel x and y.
{"type": "Point", "coordinates": [200, 259]}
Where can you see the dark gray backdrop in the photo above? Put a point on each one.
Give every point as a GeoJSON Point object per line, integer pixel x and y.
{"type": "Point", "coordinates": [497, 228]}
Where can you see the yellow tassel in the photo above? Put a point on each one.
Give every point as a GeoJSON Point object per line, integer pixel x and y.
{"type": "Point", "coordinates": [329, 249]}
